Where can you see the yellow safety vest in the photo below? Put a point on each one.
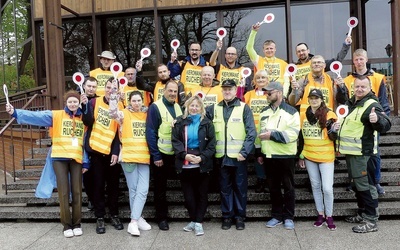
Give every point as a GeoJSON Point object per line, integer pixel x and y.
{"type": "Point", "coordinates": [211, 95]}
{"type": "Point", "coordinates": [375, 79]}
{"type": "Point", "coordinates": [191, 76]}
{"type": "Point", "coordinates": [104, 128]}
{"type": "Point", "coordinates": [227, 73]}
{"type": "Point", "coordinates": [275, 68]}
{"type": "Point", "coordinates": [351, 131]}
{"type": "Point", "coordinates": [102, 76]}
{"type": "Point", "coordinates": [159, 91]}
{"type": "Point", "coordinates": [128, 90]}
{"type": "Point", "coordinates": [230, 136]}
{"type": "Point", "coordinates": [317, 145]}
{"type": "Point", "coordinates": [303, 70]}
{"type": "Point", "coordinates": [64, 131]}
{"type": "Point", "coordinates": [133, 138]}
{"type": "Point", "coordinates": [164, 142]}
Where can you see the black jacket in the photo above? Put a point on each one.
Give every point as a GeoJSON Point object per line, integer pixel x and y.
{"type": "Point", "coordinates": [207, 143]}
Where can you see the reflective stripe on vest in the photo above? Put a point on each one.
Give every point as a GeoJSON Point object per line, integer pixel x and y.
{"type": "Point", "coordinates": [104, 128]}
{"type": "Point", "coordinates": [133, 138]}
{"type": "Point", "coordinates": [164, 142]}
{"type": "Point", "coordinates": [230, 137]}
{"type": "Point", "coordinates": [351, 131]}
{"type": "Point", "coordinates": [63, 128]}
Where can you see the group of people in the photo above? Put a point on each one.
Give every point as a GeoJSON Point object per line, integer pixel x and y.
{"type": "Point", "coordinates": [204, 119]}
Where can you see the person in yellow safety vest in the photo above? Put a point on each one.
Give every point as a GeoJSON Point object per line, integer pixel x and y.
{"type": "Point", "coordinates": [257, 100]}
{"type": "Point", "coordinates": [317, 154]}
{"type": "Point", "coordinates": [230, 69]}
{"type": "Point", "coordinates": [304, 58]}
{"type": "Point", "coordinates": [209, 89]}
{"type": "Point", "coordinates": [67, 155]}
{"type": "Point", "coordinates": [316, 79]}
{"type": "Point", "coordinates": [279, 128]}
{"type": "Point", "coordinates": [103, 73]}
{"type": "Point", "coordinates": [357, 140]}
{"type": "Point", "coordinates": [130, 74]}
{"type": "Point", "coordinates": [160, 115]}
{"type": "Point", "coordinates": [235, 134]}
{"type": "Point", "coordinates": [274, 66]}
{"type": "Point", "coordinates": [102, 143]}
{"type": "Point", "coordinates": [134, 156]}
{"type": "Point", "coordinates": [157, 88]}
{"type": "Point", "coordinates": [345, 91]}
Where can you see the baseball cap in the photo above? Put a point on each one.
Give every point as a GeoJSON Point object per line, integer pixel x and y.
{"type": "Point", "coordinates": [228, 83]}
{"type": "Point", "coordinates": [107, 54]}
{"type": "Point", "coordinates": [272, 86]}
{"type": "Point", "coordinates": [317, 93]}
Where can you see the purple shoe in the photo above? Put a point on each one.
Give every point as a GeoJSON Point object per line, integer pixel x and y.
{"type": "Point", "coordinates": [330, 225]}
{"type": "Point", "coordinates": [320, 221]}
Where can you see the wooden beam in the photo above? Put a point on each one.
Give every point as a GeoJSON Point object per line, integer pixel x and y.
{"type": "Point", "coordinates": [53, 52]}
{"type": "Point", "coordinates": [395, 9]}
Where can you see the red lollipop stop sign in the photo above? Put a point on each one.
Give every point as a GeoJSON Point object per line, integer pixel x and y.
{"type": "Point", "coordinates": [175, 44]}
{"type": "Point", "coordinates": [352, 22]}
{"type": "Point", "coordinates": [342, 111]}
{"type": "Point", "coordinates": [291, 69]}
{"type": "Point", "coordinates": [269, 18]}
{"type": "Point", "coordinates": [336, 67]}
{"type": "Point", "coordinates": [123, 81]}
{"type": "Point", "coordinates": [116, 68]}
{"type": "Point", "coordinates": [221, 33]}
{"type": "Point", "coordinates": [78, 79]}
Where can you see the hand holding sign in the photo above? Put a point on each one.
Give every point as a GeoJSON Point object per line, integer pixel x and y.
{"type": "Point", "coordinates": [78, 79]}
{"type": "Point", "coordinates": [221, 33]}
{"type": "Point", "coordinates": [336, 67]}
{"type": "Point", "coordinates": [116, 68]}
{"type": "Point", "coordinates": [269, 18]}
{"type": "Point", "coordinates": [175, 45]}
{"type": "Point", "coordinates": [145, 52]}
{"type": "Point", "coordinates": [352, 22]}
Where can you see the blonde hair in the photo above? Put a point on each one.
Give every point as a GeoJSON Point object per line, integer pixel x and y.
{"type": "Point", "coordinates": [360, 52]}
{"type": "Point", "coordinates": [189, 101]}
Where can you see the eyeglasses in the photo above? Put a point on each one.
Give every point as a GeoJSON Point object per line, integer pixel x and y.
{"type": "Point", "coordinates": [230, 54]}
{"type": "Point", "coordinates": [195, 50]}
{"type": "Point", "coordinates": [317, 62]}
{"type": "Point", "coordinates": [269, 93]}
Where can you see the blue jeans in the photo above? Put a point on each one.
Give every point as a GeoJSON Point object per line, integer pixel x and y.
{"type": "Point", "coordinates": [321, 178]}
{"type": "Point", "coordinates": [137, 180]}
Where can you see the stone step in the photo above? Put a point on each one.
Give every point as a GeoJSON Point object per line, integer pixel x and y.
{"type": "Point", "coordinates": [39, 151]}
{"type": "Point", "coordinates": [44, 142]}
{"type": "Point", "coordinates": [176, 196]}
{"type": "Point", "coordinates": [179, 212]}
{"type": "Point", "coordinates": [340, 179]}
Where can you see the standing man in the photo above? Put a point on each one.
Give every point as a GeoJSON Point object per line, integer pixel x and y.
{"type": "Point", "coordinates": [157, 88]}
{"type": "Point", "coordinates": [130, 74]}
{"type": "Point", "coordinates": [159, 139]}
{"type": "Point", "coordinates": [209, 89]}
{"type": "Point", "coordinates": [378, 85]}
{"type": "Point", "coordinates": [304, 58]}
{"type": "Point", "coordinates": [235, 134]}
{"type": "Point", "coordinates": [278, 132]}
{"type": "Point", "coordinates": [103, 73]}
{"type": "Point", "coordinates": [357, 140]}
{"type": "Point", "coordinates": [274, 66]}
{"type": "Point", "coordinates": [103, 145]}
{"type": "Point", "coordinates": [189, 68]}
{"type": "Point", "coordinates": [231, 69]}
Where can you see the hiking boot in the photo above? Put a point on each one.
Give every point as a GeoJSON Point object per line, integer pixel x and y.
{"type": "Point", "coordinates": [320, 221]}
{"type": "Point", "coordinates": [116, 223]}
{"type": "Point", "coordinates": [380, 189]}
{"type": "Point", "coordinates": [365, 227]}
{"type": "Point", "coordinates": [354, 219]}
{"type": "Point", "coordinates": [100, 226]}
{"type": "Point", "coordinates": [226, 223]}
{"type": "Point", "coordinates": [240, 223]}
{"type": "Point", "coordinates": [330, 225]}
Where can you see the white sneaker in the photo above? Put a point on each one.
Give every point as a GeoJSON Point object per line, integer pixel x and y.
{"type": "Point", "coordinates": [77, 231]}
{"type": "Point", "coordinates": [133, 229]}
{"type": "Point", "coordinates": [68, 233]}
{"type": "Point", "coordinates": [143, 225]}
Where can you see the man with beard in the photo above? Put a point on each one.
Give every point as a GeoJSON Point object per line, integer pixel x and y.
{"type": "Point", "coordinates": [130, 74]}
{"type": "Point", "coordinates": [157, 88]}
{"type": "Point", "coordinates": [189, 68]}
{"type": "Point", "coordinates": [279, 129]}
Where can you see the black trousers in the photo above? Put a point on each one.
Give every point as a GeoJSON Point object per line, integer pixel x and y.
{"type": "Point", "coordinates": [88, 184]}
{"type": "Point", "coordinates": [160, 177]}
{"type": "Point", "coordinates": [195, 191]}
{"type": "Point", "coordinates": [105, 180]}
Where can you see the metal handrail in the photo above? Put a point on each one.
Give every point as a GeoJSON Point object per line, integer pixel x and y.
{"type": "Point", "coordinates": [7, 126]}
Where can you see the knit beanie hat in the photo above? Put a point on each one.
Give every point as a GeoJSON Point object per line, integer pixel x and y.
{"type": "Point", "coordinates": [72, 93]}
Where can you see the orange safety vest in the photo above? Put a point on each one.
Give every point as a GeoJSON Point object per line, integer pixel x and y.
{"type": "Point", "coordinates": [159, 91]}
{"type": "Point", "coordinates": [275, 68]}
{"type": "Point", "coordinates": [133, 138]}
{"type": "Point", "coordinates": [225, 73]}
{"type": "Point", "coordinates": [256, 103]}
{"type": "Point", "coordinates": [104, 128]}
{"type": "Point", "coordinates": [375, 79]}
{"type": "Point", "coordinates": [67, 136]}
{"type": "Point", "coordinates": [191, 76]}
{"type": "Point", "coordinates": [211, 95]}
{"type": "Point", "coordinates": [102, 76]}
{"type": "Point", "coordinates": [146, 95]}
{"type": "Point", "coordinates": [317, 145]}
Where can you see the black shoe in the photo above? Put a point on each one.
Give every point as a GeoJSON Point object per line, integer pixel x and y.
{"type": "Point", "coordinates": [239, 223]}
{"type": "Point", "coordinates": [90, 206]}
{"type": "Point", "coordinates": [260, 186]}
{"type": "Point", "coordinates": [116, 223]}
{"type": "Point", "coordinates": [100, 226]}
{"type": "Point", "coordinates": [163, 225]}
{"type": "Point", "coordinates": [226, 223]}
{"type": "Point", "coordinates": [349, 188]}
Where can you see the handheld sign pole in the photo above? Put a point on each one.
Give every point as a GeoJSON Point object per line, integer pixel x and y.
{"type": "Point", "coordinates": [291, 70]}
{"type": "Point", "coordinates": [78, 79]}
{"type": "Point", "coordinates": [5, 89]}
{"type": "Point", "coordinates": [352, 22]}
{"type": "Point", "coordinates": [336, 67]}
{"type": "Point", "coordinates": [269, 18]}
{"type": "Point", "coordinates": [175, 44]}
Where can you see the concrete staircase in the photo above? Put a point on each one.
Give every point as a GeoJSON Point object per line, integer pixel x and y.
{"type": "Point", "coordinates": [20, 203]}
